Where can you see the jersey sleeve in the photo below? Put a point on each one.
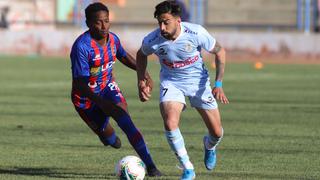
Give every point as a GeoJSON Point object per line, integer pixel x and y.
{"type": "Point", "coordinates": [148, 46]}
{"type": "Point", "coordinates": [120, 50]}
{"type": "Point", "coordinates": [206, 41]}
{"type": "Point", "coordinates": [79, 61]}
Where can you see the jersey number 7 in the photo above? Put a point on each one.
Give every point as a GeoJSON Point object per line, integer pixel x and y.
{"type": "Point", "coordinates": [165, 90]}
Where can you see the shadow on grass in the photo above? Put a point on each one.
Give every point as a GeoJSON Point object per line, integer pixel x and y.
{"type": "Point", "coordinates": [52, 173]}
{"type": "Point", "coordinates": [249, 175]}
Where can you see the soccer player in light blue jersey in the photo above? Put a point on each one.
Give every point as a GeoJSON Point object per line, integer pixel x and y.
{"type": "Point", "coordinates": [95, 94]}
{"type": "Point", "coordinates": [183, 74]}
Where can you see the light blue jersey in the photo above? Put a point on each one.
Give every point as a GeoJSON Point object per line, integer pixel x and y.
{"type": "Point", "coordinates": [182, 69]}
{"type": "Point", "coordinates": [180, 59]}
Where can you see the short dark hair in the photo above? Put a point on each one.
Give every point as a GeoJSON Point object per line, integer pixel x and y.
{"type": "Point", "coordinates": [93, 8]}
{"type": "Point", "coordinates": [168, 6]}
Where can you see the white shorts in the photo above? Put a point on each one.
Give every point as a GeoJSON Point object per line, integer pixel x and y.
{"type": "Point", "coordinates": [199, 96]}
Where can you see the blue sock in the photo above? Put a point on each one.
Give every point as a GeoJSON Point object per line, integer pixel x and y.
{"type": "Point", "coordinates": [108, 140]}
{"type": "Point", "coordinates": [135, 138]}
{"type": "Point", "coordinates": [176, 143]}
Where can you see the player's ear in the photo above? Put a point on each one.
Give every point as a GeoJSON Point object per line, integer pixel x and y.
{"type": "Point", "coordinates": [179, 19]}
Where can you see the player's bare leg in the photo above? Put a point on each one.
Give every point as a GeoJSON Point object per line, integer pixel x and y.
{"type": "Point", "coordinates": [213, 122]}
{"type": "Point", "coordinates": [170, 112]}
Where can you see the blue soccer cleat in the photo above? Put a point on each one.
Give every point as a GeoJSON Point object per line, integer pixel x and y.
{"type": "Point", "coordinates": [210, 156]}
{"type": "Point", "coordinates": [188, 174]}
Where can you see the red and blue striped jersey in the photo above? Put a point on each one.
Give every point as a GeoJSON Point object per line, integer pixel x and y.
{"type": "Point", "coordinates": [94, 62]}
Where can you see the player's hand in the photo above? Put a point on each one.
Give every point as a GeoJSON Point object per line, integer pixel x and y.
{"type": "Point", "coordinates": [219, 95]}
{"type": "Point", "coordinates": [144, 90]}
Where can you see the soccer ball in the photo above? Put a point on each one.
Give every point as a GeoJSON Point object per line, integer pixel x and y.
{"type": "Point", "coordinates": [130, 168]}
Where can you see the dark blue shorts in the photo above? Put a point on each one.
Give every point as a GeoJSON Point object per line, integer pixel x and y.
{"type": "Point", "coordinates": [95, 118]}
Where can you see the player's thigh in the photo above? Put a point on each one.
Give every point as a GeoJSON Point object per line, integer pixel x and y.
{"type": "Point", "coordinates": [212, 119]}
{"type": "Point", "coordinates": [170, 112]}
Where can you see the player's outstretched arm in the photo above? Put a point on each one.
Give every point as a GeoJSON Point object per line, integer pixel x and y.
{"type": "Point", "coordinates": [129, 61]}
{"type": "Point", "coordinates": [145, 82]}
{"type": "Point", "coordinates": [220, 61]}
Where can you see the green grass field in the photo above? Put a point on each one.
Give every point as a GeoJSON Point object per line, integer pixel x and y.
{"type": "Point", "coordinates": [272, 124]}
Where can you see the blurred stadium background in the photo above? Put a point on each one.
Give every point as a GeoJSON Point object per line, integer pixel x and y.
{"type": "Point", "coordinates": [287, 28]}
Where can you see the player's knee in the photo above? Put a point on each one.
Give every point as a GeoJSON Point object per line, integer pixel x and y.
{"type": "Point", "coordinates": [118, 112]}
{"type": "Point", "coordinates": [171, 125]}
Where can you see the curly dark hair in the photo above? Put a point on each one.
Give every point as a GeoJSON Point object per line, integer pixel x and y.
{"type": "Point", "coordinates": [93, 8]}
{"type": "Point", "coordinates": [168, 6]}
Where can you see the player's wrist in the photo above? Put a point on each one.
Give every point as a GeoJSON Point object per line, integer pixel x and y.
{"type": "Point", "coordinates": [218, 84]}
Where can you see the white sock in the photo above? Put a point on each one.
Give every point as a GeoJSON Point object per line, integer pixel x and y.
{"type": "Point", "coordinates": [212, 141]}
{"type": "Point", "coordinates": [176, 143]}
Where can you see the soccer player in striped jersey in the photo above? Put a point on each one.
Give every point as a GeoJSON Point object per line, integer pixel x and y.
{"type": "Point", "coordinates": [95, 94]}
{"type": "Point", "coordinates": [183, 74]}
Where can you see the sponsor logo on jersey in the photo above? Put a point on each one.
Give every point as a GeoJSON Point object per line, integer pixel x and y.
{"type": "Point", "coordinates": [97, 57]}
{"type": "Point", "coordinates": [109, 65]}
{"type": "Point", "coordinates": [96, 70]}
{"type": "Point", "coordinates": [93, 84]}
{"type": "Point", "coordinates": [190, 32]}
{"type": "Point", "coordinates": [179, 64]}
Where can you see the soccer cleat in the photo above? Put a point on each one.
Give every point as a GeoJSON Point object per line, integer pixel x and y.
{"type": "Point", "coordinates": [188, 174]}
{"type": "Point", "coordinates": [153, 172]}
{"type": "Point", "coordinates": [209, 156]}
{"type": "Point", "coordinates": [116, 144]}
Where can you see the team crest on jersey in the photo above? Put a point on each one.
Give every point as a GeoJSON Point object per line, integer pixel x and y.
{"type": "Point", "coordinates": [188, 47]}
